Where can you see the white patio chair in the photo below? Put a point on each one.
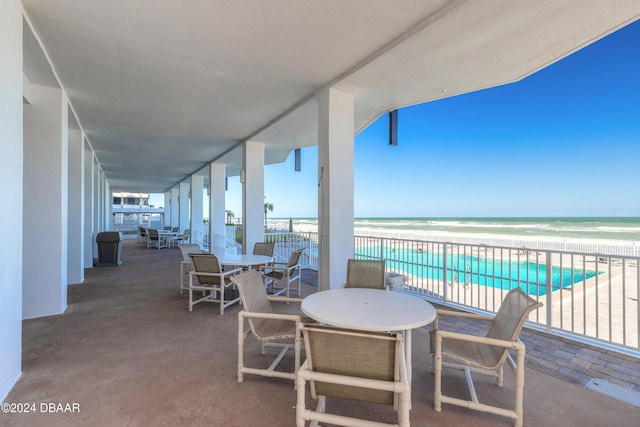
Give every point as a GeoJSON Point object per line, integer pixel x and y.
{"type": "Point", "coordinates": [356, 365]}
{"type": "Point", "coordinates": [268, 327]}
{"type": "Point", "coordinates": [211, 280]}
{"type": "Point", "coordinates": [287, 272]}
{"type": "Point", "coordinates": [485, 355]}
{"type": "Point", "coordinates": [365, 273]}
{"type": "Point", "coordinates": [185, 264]}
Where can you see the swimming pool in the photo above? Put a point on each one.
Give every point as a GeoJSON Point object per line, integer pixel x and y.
{"type": "Point", "coordinates": [467, 269]}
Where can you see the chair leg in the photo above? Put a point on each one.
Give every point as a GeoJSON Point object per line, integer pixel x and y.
{"type": "Point", "coordinates": [222, 299]}
{"type": "Point", "coordinates": [190, 292]}
{"type": "Point", "coordinates": [519, 410]}
{"type": "Point", "coordinates": [437, 371]}
{"type": "Point", "coordinates": [240, 346]}
{"type": "Point", "coordinates": [300, 404]}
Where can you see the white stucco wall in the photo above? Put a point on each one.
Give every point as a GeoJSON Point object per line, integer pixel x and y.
{"type": "Point", "coordinates": [11, 166]}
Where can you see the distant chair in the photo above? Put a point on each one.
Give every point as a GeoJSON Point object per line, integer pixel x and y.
{"type": "Point", "coordinates": [210, 280]}
{"type": "Point", "coordinates": [183, 238]}
{"type": "Point", "coordinates": [142, 235]}
{"type": "Point", "coordinates": [365, 273]}
{"type": "Point", "coordinates": [267, 326]}
{"type": "Point", "coordinates": [154, 240]}
{"type": "Point", "coordinates": [355, 365]}
{"type": "Point", "coordinates": [264, 248]}
{"type": "Point", "coordinates": [287, 272]}
{"type": "Point", "coordinates": [185, 264]}
{"type": "Point", "coordinates": [484, 355]}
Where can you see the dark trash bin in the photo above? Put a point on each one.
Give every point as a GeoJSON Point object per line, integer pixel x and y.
{"type": "Point", "coordinates": [109, 247]}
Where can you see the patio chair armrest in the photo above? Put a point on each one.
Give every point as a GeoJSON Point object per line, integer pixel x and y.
{"type": "Point", "coordinates": [401, 386]}
{"type": "Point", "coordinates": [280, 316]}
{"type": "Point", "coordinates": [277, 298]}
{"type": "Point", "coordinates": [441, 312]}
{"type": "Point", "coordinates": [517, 344]}
{"type": "Point", "coordinates": [231, 272]}
{"type": "Point", "coordinates": [272, 268]}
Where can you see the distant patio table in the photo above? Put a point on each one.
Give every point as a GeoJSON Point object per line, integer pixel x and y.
{"type": "Point", "coordinates": [371, 310]}
{"type": "Point", "coordinates": [245, 260]}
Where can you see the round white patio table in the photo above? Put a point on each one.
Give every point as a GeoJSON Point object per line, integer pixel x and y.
{"type": "Point", "coordinates": [245, 260]}
{"type": "Point", "coordinates": [370, 310]}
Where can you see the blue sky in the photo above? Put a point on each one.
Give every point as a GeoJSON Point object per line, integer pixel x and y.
{"type": "Point", "coordinates": [562, 142]}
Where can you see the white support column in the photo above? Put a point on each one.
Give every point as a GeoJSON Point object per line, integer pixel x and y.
{"type": "Point", "coordinates": [175, 207]}
{"type": "Point", "coordinates": [185, 221]}
{"type": "Point", "coordinates": [96, 207]}
{"type": "Point", "coordinates": [217, 220]}
{"type": "Point", "coordinates": [89, 188]}
{"type": "Point", "coordinates": [75, 220]}
{"type": "Point", "coordinates": [45, 203]}
{"type": "Point", "coordinates": [107, 203]}
{"type": "Point", "coordinates": [11, 172]}
{"type": "Point", "coordinates": [167, 208]}
{"type": "Point", "coordinates": [252, 195]}
{"type": "Point", "coordinates": [197, 206]}
{"type": "Point", "coordinates": [335, 192]}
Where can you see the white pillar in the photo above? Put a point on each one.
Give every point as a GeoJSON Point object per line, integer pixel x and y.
{"type": "Point", "coordinates": [96, 207]}
{"type": "Point", "coordinates": [45, 203]}
{"type": "Point", "coordinates": [108, 204]}
{"type": "Point", "coordinates": [183, 206]}
{"type": "Point", "coordinates": [11, 170]}
{"type": "Point", "coordinates": [217, 220]}
{"type": "Point", "coordinates": [335, 193]}
{"type": "Point", "coordinates": [75, 220]}
{"type": "Point", "coordinates": [167, 208]}
{"type": "Point", "coordinates": [89, 188]}
{"type": "Point", "coordinates": [175, 207]}
{"type": "Point", "coordinates": [252, 195]}
{"type": "Point", "coordinates": [197, 206]}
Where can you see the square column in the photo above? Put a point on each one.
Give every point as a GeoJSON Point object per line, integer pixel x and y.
{"type": "Point", "coordinates": [335, 191]}
{"type": "Point", "coordinates": [75, 220]}
{"type": "Point", "coordinates": [217, 201]}
{"type": "Point", "coordinates": [183, 207]}
{"type": "Point", "coordinates": [45, 203]}
{"type": "Point", "coordinates": [197, 202]}
{"type": "Point", "coordinates": [167, 208]}
{"type": "Point", "coordinates": [252, 195]}
{"type": "Point", "coordinates": [89, 187]}
{"type": "Point", "coordinates": [175, 207]}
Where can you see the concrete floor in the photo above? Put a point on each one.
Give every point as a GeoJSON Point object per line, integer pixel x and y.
{"type": "Point", "coordinates": [128, 352]}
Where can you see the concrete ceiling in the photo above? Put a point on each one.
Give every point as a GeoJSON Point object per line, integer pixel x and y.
{"type": "Point", "coordinates": [162, 88]}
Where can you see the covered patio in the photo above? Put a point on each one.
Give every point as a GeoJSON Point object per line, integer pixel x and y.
{"type": "Point", "coordinates": [128, 352]}
{"type": "Point", "coordinates": [175, 98]}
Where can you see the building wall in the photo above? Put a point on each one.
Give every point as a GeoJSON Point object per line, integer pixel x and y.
{"type": "Point", "coordinates": [11, 161]}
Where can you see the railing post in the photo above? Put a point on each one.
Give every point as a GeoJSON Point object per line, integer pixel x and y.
{"type": "Point", "coordinates": [549, 288]}
{"type": "Point", "coordinates": [445, 290]}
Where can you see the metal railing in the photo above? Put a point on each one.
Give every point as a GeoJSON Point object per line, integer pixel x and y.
{"type": "Point", "coordinates": [588, 294]}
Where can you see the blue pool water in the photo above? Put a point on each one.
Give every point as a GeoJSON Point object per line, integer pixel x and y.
{"type": "Point", "coordinates": [466, 269]}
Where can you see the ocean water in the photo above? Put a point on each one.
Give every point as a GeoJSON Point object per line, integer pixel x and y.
{"type": "Point", "coordinates": [617, 228]}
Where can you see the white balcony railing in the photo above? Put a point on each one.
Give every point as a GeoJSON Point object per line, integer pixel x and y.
{"type": "Point", "coordinates": [589, 294]}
